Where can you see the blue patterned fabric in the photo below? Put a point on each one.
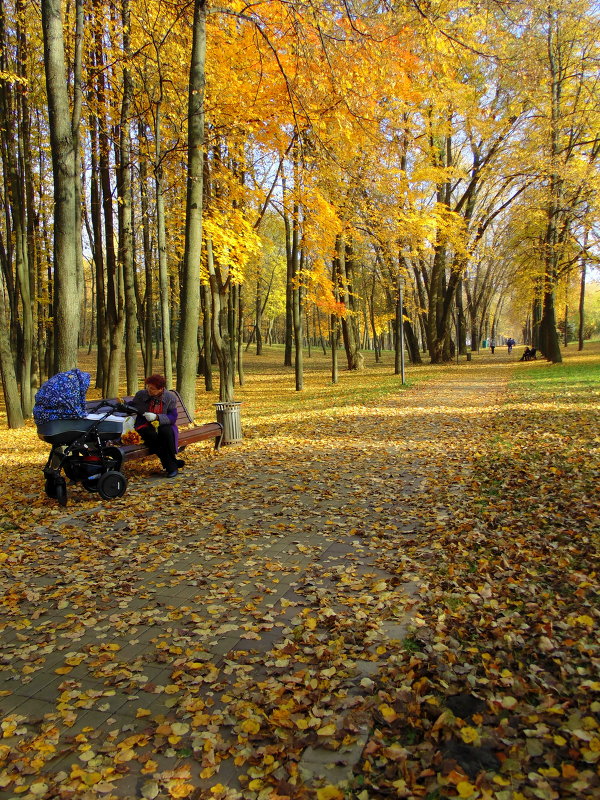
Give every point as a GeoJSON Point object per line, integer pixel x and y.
{"type": "Point", "coordinates": [62, 397]}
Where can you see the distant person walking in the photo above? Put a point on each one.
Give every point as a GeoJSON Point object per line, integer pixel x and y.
{"type": "Point", "coordinates": [510, 344]}
{"type": "Point", "coordinates": [492, 344]}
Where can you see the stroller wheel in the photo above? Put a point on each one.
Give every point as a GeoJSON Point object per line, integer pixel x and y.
{"type": "Point", "coordinates": [61, 491]}
{"type": "Point", "coordinates": [56, 488]}
{"type": "Point", "coordinates": [111, 484]}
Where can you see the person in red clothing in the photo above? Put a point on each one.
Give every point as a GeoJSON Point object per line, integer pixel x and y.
{"type": "Point", "coordinates": [155, 422]}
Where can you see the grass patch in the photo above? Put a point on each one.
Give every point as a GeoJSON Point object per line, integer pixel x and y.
{"type": "Point", "coordinates": [580, 370]}
{"type": "Point", "coordinates": [266, 375]}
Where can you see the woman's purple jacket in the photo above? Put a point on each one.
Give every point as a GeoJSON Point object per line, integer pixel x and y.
{"type": "Point", "coordinates": [141, 402]}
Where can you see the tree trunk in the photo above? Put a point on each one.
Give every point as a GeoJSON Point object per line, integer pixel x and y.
{"type": "Point", "coordinates": [19, 206]}
{"type": "Point", "coordinates": [582, 297]}
{"type": "Point", "coordinates": [549, 342]}
{"type": "Point", "coordinates": [412, 343]}
{"type": "Point", "coordinates": [462, 322]}
{"type": "Point", "coordinates": [21, 253]}
{"type": "Point", "coordinates": [163, 276]}
{"type": "Point", "coordinates": [289, 296]}
{"type": "Point", "coordinates": [398, 329]}
{"type": "Point", "coordinates": [75, 128]}
{"type": "Point", "coordinates": [335, 330]}
{"type": "Point", "coordinates": [240, 335]}
{"type": "Point", "coordinates": [320, 324]}
{"type": "Point", "coordinates": [126, 216]}
{"type": "Point", "coordinates": [207, 327]}
{"type": "Point", "coordinates": [298, 337]}
{"type": "Point", "coordinates": [335, 335]}
{"type": "Point", "coordinates": [294, 272]}
{"type": "Point", "coordinates": [350, 332]}
{"type": "Point", "coordinates": [220, 332]}
{"type": "Point", "coordinates": [232, 315]}
{"type": "Point", "coordinates": [258, 316]}
{"type": "Point", "coordinates": [536, 317]}
{"type": "Point", "coordinates": [7, 367]}
{"type": "Point", "coordinates": [187, 352]}
{"type": "Point", "coordinates": [66, 305]}
{"type": "Point", "coordinates": [32, 224]}
{"type": "Point", "coordinates": [146, 307]}
{"type": "Point", "coordinates": [376, 346]}
{"type": "Point", "coordinates": [114, 278]}
{"type": "Point", "coordinates": [98, 256]}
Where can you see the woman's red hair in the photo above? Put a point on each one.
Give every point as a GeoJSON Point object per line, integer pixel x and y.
{"type": "Point", "coordinates": [156, 380]}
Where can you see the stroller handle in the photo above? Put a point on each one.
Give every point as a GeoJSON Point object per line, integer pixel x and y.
{"type": "Point", "coordinates": [115, 405]}
{"type": "Point", "coordinates": [127, 408]}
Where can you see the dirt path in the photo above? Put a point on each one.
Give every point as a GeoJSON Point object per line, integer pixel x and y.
{"type": "Point", "coordinates": [228, 634]}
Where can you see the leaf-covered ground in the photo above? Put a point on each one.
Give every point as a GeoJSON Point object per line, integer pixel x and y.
{"type": "Point", "coordinates": [380, 593]}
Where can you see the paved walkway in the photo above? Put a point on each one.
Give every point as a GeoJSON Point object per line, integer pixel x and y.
{"type": "Point", "coordinates": [222, 630]}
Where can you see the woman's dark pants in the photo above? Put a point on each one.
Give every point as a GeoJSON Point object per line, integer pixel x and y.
{"type": "Point", "coordinates": [161, 441]}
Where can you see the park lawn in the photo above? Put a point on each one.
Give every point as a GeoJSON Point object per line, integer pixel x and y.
{"type": "Point", "coordinates": [579, 371]}
{"type": "Point", "coordinates": [269, 387]}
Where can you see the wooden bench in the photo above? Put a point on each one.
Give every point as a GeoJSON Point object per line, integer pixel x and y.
{"type": "Point", "coordinates": [199, 433]}
{"type": "Point", "coordinates": [529, 355]}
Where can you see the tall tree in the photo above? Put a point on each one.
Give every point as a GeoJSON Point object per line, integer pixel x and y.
{"type": "Point", "coordinates": [187, 353]}
{"type": "Point", "coordinates": [62, 144]}
{"type": "Point", "coordinates": [126, 255]}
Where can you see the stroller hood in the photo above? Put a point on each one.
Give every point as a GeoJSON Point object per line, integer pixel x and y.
{"type": "Point", "coordinates": [62, 397]}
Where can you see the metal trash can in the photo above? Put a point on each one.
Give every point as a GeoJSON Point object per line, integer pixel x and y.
{"type": "Point", "coordinates": [229, 415]}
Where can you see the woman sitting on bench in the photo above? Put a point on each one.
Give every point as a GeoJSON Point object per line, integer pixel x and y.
{"type": "Point", "coordinates": [155, 422]}
{"type": "Point", "coordinates": [529, 355]}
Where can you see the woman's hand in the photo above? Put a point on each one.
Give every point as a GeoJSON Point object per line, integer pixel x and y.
{"type": "Point", "coordinates": [149, 416]}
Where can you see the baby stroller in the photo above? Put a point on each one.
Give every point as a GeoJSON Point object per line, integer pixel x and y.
{"type": "Point", "coordinates": [81, 440]}
{"type": "Point", "coordinates": [82, 449]}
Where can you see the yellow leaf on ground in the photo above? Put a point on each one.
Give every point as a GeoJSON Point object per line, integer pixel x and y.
{"type": "Point", "coordinates": [329, 793]}
{"type": "Point", "coordinates": [469, 735]}
{"type": "Point", "coordinates": [387, 712]}
{"type": "Point", "coordinates": [180, 788]}
{"type": "Point", "coordinates": [250, 726]}
{"type": "Point", "coordinates": [180, 728]}
{"type": "Point", "coordinates": [327, 730]}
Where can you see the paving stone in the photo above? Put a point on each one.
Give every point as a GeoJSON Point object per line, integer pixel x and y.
{"type": "Point", "coordinates": [335, 766]}
{"type": "Point", "coordinates": [367, 668]}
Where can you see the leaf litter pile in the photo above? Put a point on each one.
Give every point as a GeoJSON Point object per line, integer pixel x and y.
{"type": "Point", "coordinates": [393, 598]}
